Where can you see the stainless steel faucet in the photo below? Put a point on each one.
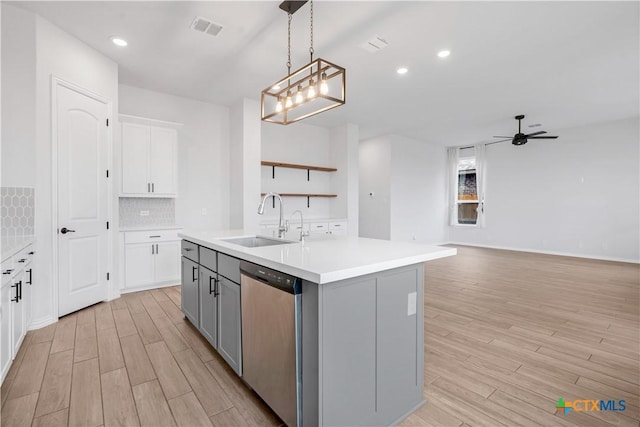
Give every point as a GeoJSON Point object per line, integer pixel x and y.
{"type": "Point", "coordinates": [282, 227]}
{"type": "Point", "coordinates": [303, 233]}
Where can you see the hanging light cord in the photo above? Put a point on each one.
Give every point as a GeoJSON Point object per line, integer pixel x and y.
{"type": "Point", "coordinates": [311, 43]}
{"type": "Point", "coordinates": [289, 43]}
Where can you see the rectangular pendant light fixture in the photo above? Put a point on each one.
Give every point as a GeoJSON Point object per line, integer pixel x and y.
{"type": "Point", "coordinates": [317, 87]}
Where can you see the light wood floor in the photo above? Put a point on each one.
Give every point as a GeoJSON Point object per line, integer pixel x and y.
{"type": "Point", "coordinates": [506, 335]}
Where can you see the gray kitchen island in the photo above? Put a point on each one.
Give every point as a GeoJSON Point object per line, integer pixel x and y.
{"type": "Point", "coordinates": [328, 332]}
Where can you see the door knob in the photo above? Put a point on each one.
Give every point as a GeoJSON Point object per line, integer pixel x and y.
{"type": "Point", "coordinates": [65, 230]}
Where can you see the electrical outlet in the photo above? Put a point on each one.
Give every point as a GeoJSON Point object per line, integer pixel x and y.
{"type": "Point", "coordinates": [144, 213]}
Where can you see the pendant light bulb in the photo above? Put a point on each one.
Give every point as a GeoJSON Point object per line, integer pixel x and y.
{"type": "Point", "coordinates": [288, 103]}
{"type": "Point", "coordinates": [312, 90]}
{"type": "Point", "coordinates": [324, 87]}
{"type": "Point", "coordinates": [299, 97]}
{"type": "Point", "coordinates": [279, 106]}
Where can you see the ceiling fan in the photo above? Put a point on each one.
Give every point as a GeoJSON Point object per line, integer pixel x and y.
{"type": "Point", "coordinates": [520, 138]}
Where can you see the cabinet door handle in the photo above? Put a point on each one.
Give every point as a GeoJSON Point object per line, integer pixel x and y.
{"type": "Point", "coordinates": [30, 271]}
{"type": "Point", "coordinates": [31, 253]}
{"type": "Point", "coordinates": [152, 250]}
{"type": "Point", "coordinates": [216, 288]}
{"type": "Point", "coordinates": [211, 291]}
{"type": "Point", "coordinates": [157, 251]}
{"type": "Point", "coordinates": [20, 283]}
{"type": "Point", "coordinates": [153, 187]}
{"type": "Point", "coordinates": [17, 298]}
{"type": "Point", "coordinates": [193, 274]}
{"type": "Point", "coordinates": [148, 187]}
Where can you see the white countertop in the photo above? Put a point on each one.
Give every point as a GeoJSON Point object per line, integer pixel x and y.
{"type": "Point", "coordinates": [12, 245]}
{"type": "Point", "coordinates": [326, 259]}
{"type": "Point", "coordinates": [149, 228]}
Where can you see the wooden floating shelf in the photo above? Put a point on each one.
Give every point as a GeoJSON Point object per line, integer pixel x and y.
{"type": "Point", "coordinates": [296, 166]}
{"type": "Point", "coordinates": [308, 196]}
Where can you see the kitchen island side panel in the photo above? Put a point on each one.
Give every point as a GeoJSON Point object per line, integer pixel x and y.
{"type": "Point", "coordinates": [371, 346]}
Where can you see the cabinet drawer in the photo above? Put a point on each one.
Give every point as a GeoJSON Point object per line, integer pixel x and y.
{"type": "Point", "coordinates": [150, 236]}
{"type": "Point", "coordinates": [21, 260]}
{"type": "Point", "coordinates": [229, 267]}
{"type": "Point", "coordinates": [337, 225]}
{"type": "Point", "coordinates": [208, 258]}
{"type": "Point", "coordinates": [317, 227]}
{"type": "Point", "coordinates": [190, 250]}
{"type": "Point", "coordinates": [7, 270]}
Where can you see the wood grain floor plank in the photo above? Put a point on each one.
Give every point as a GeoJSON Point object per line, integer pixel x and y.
{"type": "Point", "coordinates": [196, 341]}
{"type": "Point", "coordinates": [229, 418]}
{"type": "Point", "coordinates": [56, 385]}
{"type": "Point", "coordinates": [171, 378]}
{"type": "Point", "coordinates": [109, 351]}
{"type": "Point", "coordinates": [104, 317]}
{"type": "Point", "coordinates": [65, 335]}
{"type": "Point", "coordinates": [136, 360]}
{"type": "Point", "coordinates": [44, 334]}
{"type": "Point", "coordinates": [152, 406]}
{"type": "Point", "coordinates": [172, 311]}
{"type": "Point", "coordinates": [146, 328]}
{"type": "Point", "coordinates": [56, 419]}
{"type": "Point", "coordinates": [86, 345]}
{"type": "Point", "coordinates": [188, 411]}
{"type": "Point", "coordinates": [133, 303]}
{"type": "Point", "coordinates": [19, 411]}
{"type": "Point", "coordinates": [124, 322]}
{"type": "Point", "coordinates": [28, 379]}
{"type": "Point", "coordinates": [85, 407]}
{"type": "Point", "coordinates": [204, 385]}
{"type": "Point", "coordinates": [15, 367]}
{"type": "Point", "coordinates": [117, 398]}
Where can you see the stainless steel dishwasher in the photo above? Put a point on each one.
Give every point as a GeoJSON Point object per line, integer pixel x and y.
{"type": "Point", "coordinates": [271, 338]}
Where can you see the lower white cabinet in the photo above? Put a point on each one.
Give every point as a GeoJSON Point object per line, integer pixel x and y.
{"type": "Point", "coordinates": [151, 258]}
{"type": "Point", "coordinates": [15, 305]}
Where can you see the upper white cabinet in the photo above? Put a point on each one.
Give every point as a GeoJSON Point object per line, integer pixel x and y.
{"type": "Point", "coordinates": [149, 157]}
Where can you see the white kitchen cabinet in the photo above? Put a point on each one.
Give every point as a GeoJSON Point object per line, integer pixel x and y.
{"type": "Point", "coordinates": [6, 326]}
{"type": "Point", "coordinates": [338, 228]}
{"type": "Point", "coordinates": [149, 157]}
{"type": "Point", "coordinates": [18, 312]}
{"type": "Point", "coordinates": [151, 259]}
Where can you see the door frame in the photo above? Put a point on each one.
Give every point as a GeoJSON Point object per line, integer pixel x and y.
{"type": "Point", "coordinates": [57, 82]}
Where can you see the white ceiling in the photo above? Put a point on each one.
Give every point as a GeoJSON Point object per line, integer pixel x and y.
{"type": "Point", "coordinates": [563, 64]}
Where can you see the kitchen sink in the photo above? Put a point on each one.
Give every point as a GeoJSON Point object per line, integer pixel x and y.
{"type": "Point", "coordinates": [257, 241]}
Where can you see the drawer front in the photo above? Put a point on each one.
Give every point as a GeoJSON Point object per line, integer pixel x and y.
{"type": "Point", "coordinates": [298, 227]}
{"type": "Point", "coordinates": [208, 258]}
{"type": "Point", "coordinates": [190, 250]}
{"type": "Point", "coordinates": [7, 271]}
{"type": "Point", "coordinates": [337, 225]}
{"type": "Point", "coordinates": [150, 236]}
{"type": "Point", "coordinates": [319, 227]}
{"type": "Point", "coordinates": [229, 267]}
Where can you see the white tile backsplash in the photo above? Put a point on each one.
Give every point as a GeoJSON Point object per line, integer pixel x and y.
{"type": "Point", "coordinates": [17, 207]}
{"type": "Point", "coordinates": [162, 212]}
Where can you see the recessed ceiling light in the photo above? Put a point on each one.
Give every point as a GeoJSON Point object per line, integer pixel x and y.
{"type": "Point", "coordinates": [444, 53]}
{"type": "Point", "coordinates": [119, 41]}
{"type": "Point", "coordinates": [402, 70]}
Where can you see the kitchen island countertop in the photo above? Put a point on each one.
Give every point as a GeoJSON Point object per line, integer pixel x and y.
{"type": "Point", "coordinates": [326, 259]}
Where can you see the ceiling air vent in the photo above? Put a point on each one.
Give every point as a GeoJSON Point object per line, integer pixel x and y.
{"type": "Point", "coordinates": [374, 45]}
{"type": "Point", "coordinates": [204, 25]}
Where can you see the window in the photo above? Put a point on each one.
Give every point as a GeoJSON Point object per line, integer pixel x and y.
{"type": "Point", "coordinates": [467, 199]}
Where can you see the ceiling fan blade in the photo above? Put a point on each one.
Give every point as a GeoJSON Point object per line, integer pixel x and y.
{"type": "Point", "coordinates": [495, 142]}
{"type": "Point", "coordinates": [502, 136]}
{"type": "Point", "coordinates": [542, 137]}
{"type": "Point", "coordinates": [536, 133]}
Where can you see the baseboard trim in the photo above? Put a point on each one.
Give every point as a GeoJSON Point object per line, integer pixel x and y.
{"type": "Point", "coordinates": [537, 251]}
{"type": "Point", "coordinates": [42, 322]}
{"type": "Point", "coordinates": [148, 287]}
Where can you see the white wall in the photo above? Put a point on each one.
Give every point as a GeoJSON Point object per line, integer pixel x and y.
{"type": "Point", "coordinates": [344, 182]}
{"type": "Point", "coordinates": [375, 188]}
{"type": "Point", "coordinates": [203, 153]}
{"type": "Point", "coordinates": [18, 97]}
{"type": "Point", "coordinates": [61, 55]}
{"type": "Point", "coordinates": [578, 195]}
{"type": "Point", "coordinates": [407, 179]}
{"type": "Point", "coordinates": [302, 144]}
{"type": "Point", "coordinates": [246, 147]}
{"type": "Point", "coordinates": [418, 198]}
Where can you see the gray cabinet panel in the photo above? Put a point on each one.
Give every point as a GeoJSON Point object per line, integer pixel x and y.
{"type": "Point", "coordinates": [190, 290]}
{"type": "Point", "coordinates": [190, 250]}
{"type": "Point", "coordinates": [229, 267]}
{"type": "Point", "coordinates": [229, 338]}
{"type": "Point", "coordinates": [348, 353]}
{"type": "Point", "coordinates": [208, 258]}
{"type": "Point", "coordinates": [209, 305]}
{"type": "Point", "coordinates": [399, 371]}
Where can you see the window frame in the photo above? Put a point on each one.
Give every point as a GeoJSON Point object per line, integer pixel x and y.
{"type": "Point", "coordinates": [459, 202]}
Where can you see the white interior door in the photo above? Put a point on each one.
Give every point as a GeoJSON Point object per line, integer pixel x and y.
{"type": "Point", "coordinates": [82, 150]}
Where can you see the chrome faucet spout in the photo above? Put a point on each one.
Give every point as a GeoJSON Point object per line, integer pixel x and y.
{"type": "Point", "coordinates": [282, 227]}
{"type": "Point", "coordinates": [303, 233]}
